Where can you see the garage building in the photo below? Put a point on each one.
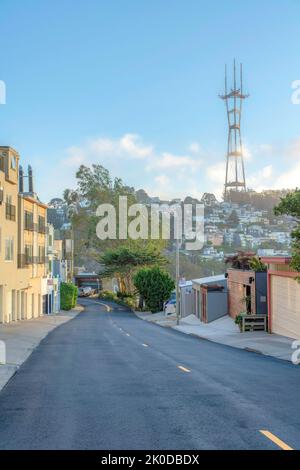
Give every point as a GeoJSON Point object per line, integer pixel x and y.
{"type": "Point", "coordinates": [283, 297]}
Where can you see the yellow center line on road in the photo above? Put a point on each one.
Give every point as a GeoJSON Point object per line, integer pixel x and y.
{"type": "Point", "coordinates": [184, 369]}
{"type": "Point", "coordinates": [276, 440]}
{"type": "Point", "coordinates": [108, 308]}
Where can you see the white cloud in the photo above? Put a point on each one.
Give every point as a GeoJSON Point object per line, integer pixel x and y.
{"type": "Point", "coordinates": [247, 153]}
{"type": "Point", "coordinates": [162, 180]}
{"type": "Point", "coordinates": [169, 161]}
{"type": "Point", "coordinates": [288, 179]}
{"type": "Point", "coordinates": [170, 175]}
{"type": "Point", "coordinates": [216, 172]}
{"type": "Point", "coordinates": [265, 149]}
{"type": "Point", "coordinates": [129, 146]}
{"type": "Point", "coordinates": [267, 171]}
{"type": "Point", "coordinates": [194, 147]}
{"type": "Point", "coordinates": [293, 149]}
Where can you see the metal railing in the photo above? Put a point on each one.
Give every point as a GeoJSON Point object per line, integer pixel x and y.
{"type": "Point", "coordinates": [25, 260]}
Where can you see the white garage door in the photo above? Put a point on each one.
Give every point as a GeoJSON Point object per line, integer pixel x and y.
{"type": "Point", "coordinates": [285, 304]}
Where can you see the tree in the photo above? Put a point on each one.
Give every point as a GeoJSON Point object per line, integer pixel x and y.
{"type": "Point", "coordinates": [96, 186]}
{"type": "Point", "coordinates": [290, 205]}
{"type": "Point", "coordinates": [240, 260]}
{"type": "Point", "coordinates": [233, 219]}
{"type": "Point", "coordinates": [257, 265]}
{"type": "Point", "coordinates": [155, 286]}
{"type": "Point", "coordinates": [124, 261]}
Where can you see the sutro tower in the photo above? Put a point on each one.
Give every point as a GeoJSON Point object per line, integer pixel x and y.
{"type": "Point", "coordinates": [235, 171]}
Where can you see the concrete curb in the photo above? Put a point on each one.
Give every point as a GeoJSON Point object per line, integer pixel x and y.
{"type": "Point", "coordinates": [283, 356]}
{"type": "Point", "coordinates": [22, 337]}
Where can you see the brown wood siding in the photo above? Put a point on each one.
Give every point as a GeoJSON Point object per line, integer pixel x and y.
{"type": "Point", "coordinates": [237, 279]}
{"type": "Point", "coordinates": [285, 306]}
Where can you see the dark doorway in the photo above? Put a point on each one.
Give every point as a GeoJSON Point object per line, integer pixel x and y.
{"type": "Point", "coordinates": [248, 299]}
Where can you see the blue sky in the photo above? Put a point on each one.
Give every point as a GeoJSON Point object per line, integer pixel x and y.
{"type": "Point", "coordinates": [134, 85]}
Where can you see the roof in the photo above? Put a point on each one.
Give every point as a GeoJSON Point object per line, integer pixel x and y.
{"type": "Point", "coordinates": [276, 259]}
{"type": "Point", "coordinates": [209, 280]}
{"type": "Point", "coordinates": [83, 275]}
{"type": "Point", "coordinates": [33, 198]}
{"type": "Point", "coordinates": [186, 284]}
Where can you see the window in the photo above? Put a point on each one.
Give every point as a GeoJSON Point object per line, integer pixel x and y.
{"type": "Point", "coordinates": [42, 224]}
{"type": "Point", "coordinates": [28, 254]}
{"type": "Point", "coordinates": [41, 259]}
{"type": "Point", "coordinates": [13, 162]}
{"type": "Point", "coordinates": [28, 220]}
{"type": "Point", "coordinates": [10, 210]}
{"type": "Point", "coordinates": [2, 165]}
{"type": "Point", "coordinates": [9, 249]}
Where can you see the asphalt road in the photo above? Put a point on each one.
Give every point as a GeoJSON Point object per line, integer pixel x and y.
{"type": "Point", "coordinates": [108, 380]}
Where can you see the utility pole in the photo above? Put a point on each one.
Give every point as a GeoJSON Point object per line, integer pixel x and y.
{"type": "Point", "coordinates": [177, 276]}
{"type": "Point", "coordinates": [178, 229]}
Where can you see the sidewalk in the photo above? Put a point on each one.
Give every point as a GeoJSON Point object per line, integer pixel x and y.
{"type": "Point", "coordinates": [22, 337]}
{"type": "Point", "coordinates": [225, 331]}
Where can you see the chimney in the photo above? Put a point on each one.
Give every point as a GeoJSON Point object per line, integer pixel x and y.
{"type": "Point", "coordinates": [30, 179]}
{"type": "Point", "coordinates": [21, 179]}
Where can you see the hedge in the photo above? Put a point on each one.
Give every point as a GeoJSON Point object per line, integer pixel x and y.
{"type": "Point", "coordinates": [155, 286]}
{"type": "Point", "coordinates": [68, 295]}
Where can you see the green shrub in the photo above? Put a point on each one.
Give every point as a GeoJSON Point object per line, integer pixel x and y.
{"type": "Point", "coordinates": [239, 319]}
{"type": "Point", "coordinates": [68, 295]}
{"type": "Point", "coordinates": [155, 286]}
{"type": "Point", "coordinates": [127, 300]}
{"type": "Point", "coordinates": [75, 296]}
{"type": "Point", "coordinates": [124, 295]}
{"type": "Point", "coordinates": [257, 265]}
{"type": "Point", "coordinates": [108, 295]}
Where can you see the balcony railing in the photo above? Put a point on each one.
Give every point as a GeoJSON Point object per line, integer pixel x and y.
{"type": "Point", "coordinates": [25, 260]}
{"type": "Point", "coordinates": [1, 195]}
{"type": "Point", "coordinates": [42, 228]}
{"type": "Point", "coordinates": [2, 166]}
{"type": "Point", "coordinates": [10, 212]}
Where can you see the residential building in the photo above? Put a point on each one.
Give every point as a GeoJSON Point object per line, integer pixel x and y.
{"type": "Point", "coordinates": [210, 297]}
{"type": "Point", "coordinates": [283, 297]}
{"type": "Point", "coordinates": [186, 304]}
{"type": "Point", "coordinates": [247, 292]}
{"type": "Point", "coordinates": [23, 263]}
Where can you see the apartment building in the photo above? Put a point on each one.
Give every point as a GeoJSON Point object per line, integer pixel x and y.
{"type": "Point", "coordinates": [23, 263]}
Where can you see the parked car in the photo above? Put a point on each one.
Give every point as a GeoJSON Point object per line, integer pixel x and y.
{"type": "Point", "coordinates": [85, 291]}
{"type": "Point", "coordinates": [170, 307]}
